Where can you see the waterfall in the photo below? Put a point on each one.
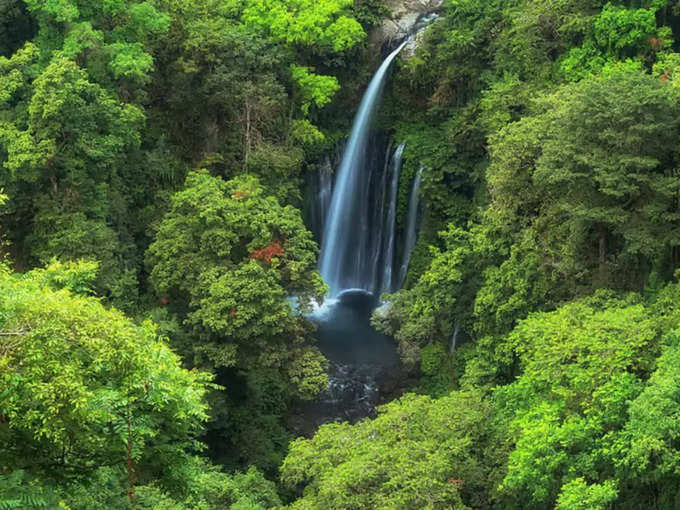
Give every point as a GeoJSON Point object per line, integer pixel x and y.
{"type": "Point", "coordinates": [344, 256]}
{"type": "Point", "coordinates": [411, 226]}
{"type": "Point", "coordinates": [454, 338]}
{"type": "Point", "coordinates": [379, 216]}
{"type": "Point", "coordinates": [320, 187]}
{"type": "Point", "coordinates": [325, 191]}
{"type": "Point", "coordinates": [391, 220]}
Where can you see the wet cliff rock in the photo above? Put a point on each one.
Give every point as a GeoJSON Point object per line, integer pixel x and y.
{"type": "Point", "coordinates": [404, 20]}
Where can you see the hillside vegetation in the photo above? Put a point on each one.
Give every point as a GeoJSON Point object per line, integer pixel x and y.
{"type": "Point", "coordinates": [153, 157]}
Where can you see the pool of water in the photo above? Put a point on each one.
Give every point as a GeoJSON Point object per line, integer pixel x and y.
{"type": "Point", "coordinates": [364, 366]}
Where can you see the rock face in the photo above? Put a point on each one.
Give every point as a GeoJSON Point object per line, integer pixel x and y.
{"type": "Point", "coordinates": [405, 16]}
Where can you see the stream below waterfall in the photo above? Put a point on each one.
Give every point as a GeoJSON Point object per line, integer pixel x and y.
{"type": "Point", "coordinates": [364, 371]}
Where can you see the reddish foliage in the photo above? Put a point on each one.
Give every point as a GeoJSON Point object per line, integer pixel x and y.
{"type": "Point", "coordinates": [232, 313]}
{"type": "Point", "coordinates": [666, 75]}
{"type": "Point", "coordinates": [164, 300]}
{"type": "Point", "coordinates": [241, 194]}
{"type": "Point", "coordinates": [455, 481]}
{"type": "Point", "coordinates": [656, 44]}
{"type": "Point", "coordinates": [268, 252]}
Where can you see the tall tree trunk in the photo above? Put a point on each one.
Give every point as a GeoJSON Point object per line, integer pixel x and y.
{"type": "Point", "coordinates": [603, 244]}
{"type": "Point", "coordinates": [602, 234]}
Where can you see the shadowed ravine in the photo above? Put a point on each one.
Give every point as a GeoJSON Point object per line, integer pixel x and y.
{"type": "Point", "coordinates": [364, 367]}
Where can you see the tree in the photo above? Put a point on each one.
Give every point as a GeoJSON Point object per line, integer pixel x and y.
{"type": "Point", "coordinates": [235, 92]}
{"type": "Point", "coordinates": [648, 449]}
{"type": "Point", "coordinates": [111, 40]}
{"type": "Point", "coordinates": [226, 259]}
{"type": "Point", "coordinates": [577, 495]}
{"type": "Point", "coordinates": [64, 153]}
{"type": "Point", "coordinates": [430, 309]}
{"type": "Point", "coordinates": [227, 256]}
{"type": "Point", "coordinates": [84, 387]}
{"type": "Point", "coordinates": [17, 490]}
{"type": "Point", "coordinates": [618, 36]}
{"type": "Point", "coordinates": [206, 488]}
{"type": "Point", "coordinates": [580, 367]}
{"type": "Point", "coordinates": [228, 91]}
{"type": "Point", "coordinates": [593, 174]}
{"type": "Point", "coordinates": [418, 453]}
{"type": "Point", "coordinates": [321, 27]}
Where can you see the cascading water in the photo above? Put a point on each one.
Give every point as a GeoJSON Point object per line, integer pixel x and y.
{"type": "Point", "coordinates": [411, 227]}
{"type": "Point", "coordinates": [454, 338]}
{"type": "Point", "coordinates": [322, 188]}
{"type": "Point", "coordinates": [355, 219]}
{"type": "Point", "coordinates": [345, 260]}
{"type": "Point", "coordinates": [391, 220]}
{"type": "Point", "coordinates": [378, 202]}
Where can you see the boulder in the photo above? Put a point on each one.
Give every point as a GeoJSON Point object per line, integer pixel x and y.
{"type": "Point", "coordinates": [358, 299]}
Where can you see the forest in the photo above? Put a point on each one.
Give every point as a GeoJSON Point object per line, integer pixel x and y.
{"type": "Point", "coordinates": [159, 257]}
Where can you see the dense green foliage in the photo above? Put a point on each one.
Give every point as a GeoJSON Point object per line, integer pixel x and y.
{"type": "Point", "coordinates": [106, 110]}
{"type": "Point", "coordinates": [89, 396]}
{"type": "Point", "coordinates": [419, 453]}
{"type": "Point", "coordinates": [224, 260]}
{"type": "Point", "coordinates": [152, 161]}
{"type": "Point", "coordinates": [551, 153]}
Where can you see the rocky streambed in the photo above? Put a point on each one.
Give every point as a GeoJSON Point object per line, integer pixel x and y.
{"type": "Point", "coordinates": [365, 370]}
